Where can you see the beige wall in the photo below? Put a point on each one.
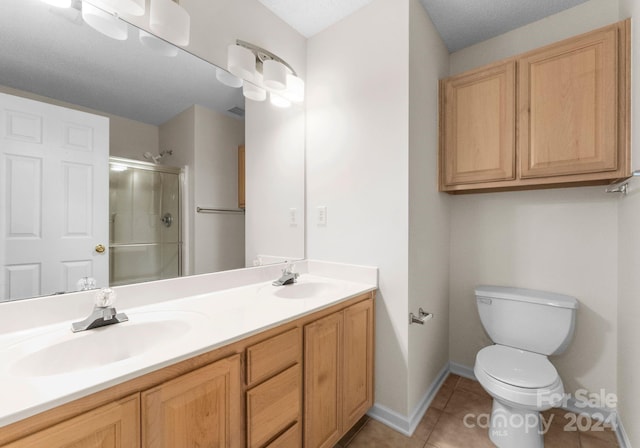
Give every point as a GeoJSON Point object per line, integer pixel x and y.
{"type": "Point", "coordinates": [562, 240]}
{"type": "Point", "coordinates": [206, 142]}
{"type": "Point", "coordinates": [131, 139]}
{"type": "Point", "coordinates": [357, 166]}
{"type": "Point", "coordinates": [428, 210]}
{"type": "Point", "coordinates": [629, 259]}
{"type": "Point", "coordinates": [274, 169]}
{"type": "Point", "coordinates": [371, 157]}
{"type": "Point", "coordinates": [178, 134]}
{"type": "Point", "coordinates": [219, 237]}
{"type": "Point", "coordinates": [127, 138]}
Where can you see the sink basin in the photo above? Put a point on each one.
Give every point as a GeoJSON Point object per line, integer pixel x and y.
{"type": "Point", "coordinates": [61, 351]}
{"type": "Point", "coordinates": [305, 290]}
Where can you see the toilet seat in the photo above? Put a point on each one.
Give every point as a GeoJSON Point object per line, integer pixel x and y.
{"type": "Point", "coordinates": [524, 386]}
{"type": "Point", "coordinates": [517, 367]}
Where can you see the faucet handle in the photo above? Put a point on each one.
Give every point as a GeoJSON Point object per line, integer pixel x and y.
{"type": "Point", "coordinates": [106, 297]}
{"type": "Point", "coordinates": [288, 268]}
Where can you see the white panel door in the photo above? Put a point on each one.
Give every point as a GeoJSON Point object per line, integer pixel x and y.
{"type": "Point", "coordinates": [54, 193]}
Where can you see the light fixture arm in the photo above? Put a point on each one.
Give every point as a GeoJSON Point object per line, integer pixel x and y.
{"type": "Point", "coordinates": [264, 55]}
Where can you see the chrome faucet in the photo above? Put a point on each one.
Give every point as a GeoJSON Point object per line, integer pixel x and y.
{"type": "Point", "coordinates": [288, 276]}
{"type": "Point", "coordinates": [104, 313]}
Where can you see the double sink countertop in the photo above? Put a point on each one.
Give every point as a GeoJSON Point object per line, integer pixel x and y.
{"type": "Point", "coordinates": [47, 365]}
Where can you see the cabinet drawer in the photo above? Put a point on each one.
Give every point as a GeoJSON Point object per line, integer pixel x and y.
{"type": "Point", "coordinates": [290, 439]}
{"type": "Point", "coordinates": [273, 406]}
{"type": "Point", "coordinates": [269, 357]}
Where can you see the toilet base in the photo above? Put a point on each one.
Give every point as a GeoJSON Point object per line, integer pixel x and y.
{"type": "Point", "coordinates": [515, 428]}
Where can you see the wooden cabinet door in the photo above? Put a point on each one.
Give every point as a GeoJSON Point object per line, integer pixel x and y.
{"type": "Point", "coordinates": [200, 409]}
{"type": "Point", "coordinates": [323, 384]}
{"type": "Point", "coordinates": [477, 129]}
{"type": "Point", "coordinates": [357, 391]}
{"type": "Point", "coordinates": [568, 97]}
{"type": "Point", "coordinates": [116, 425]}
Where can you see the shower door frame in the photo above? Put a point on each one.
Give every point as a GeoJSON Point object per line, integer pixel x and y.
{"type": "Point", "coordinates": [148, 166]}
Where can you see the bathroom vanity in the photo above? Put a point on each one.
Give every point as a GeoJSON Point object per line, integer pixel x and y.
{"type": "Point", "coordinates": [254, 366]}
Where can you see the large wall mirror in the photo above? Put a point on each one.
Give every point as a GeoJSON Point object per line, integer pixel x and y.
{"type": "Point", "coordinates": [122, 160]}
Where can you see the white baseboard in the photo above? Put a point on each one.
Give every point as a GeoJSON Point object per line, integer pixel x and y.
{"type": "Point", "coordinates": [407, 425]}
{"type": "Point", "coordinates": [623, 439]}
{"type": "Point", "coordinates": [390, 418]}
{"type": "Point", "coordinates": [401, 423]}
{"type": "Point", "coordinates": [462, 370]}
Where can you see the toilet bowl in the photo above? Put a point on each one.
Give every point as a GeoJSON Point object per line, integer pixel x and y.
{"type": "Point", "coordinates": [526, 326]}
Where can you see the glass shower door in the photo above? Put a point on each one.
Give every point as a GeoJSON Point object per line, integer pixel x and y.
{"type": "Point", "coordinates": [144, 229]}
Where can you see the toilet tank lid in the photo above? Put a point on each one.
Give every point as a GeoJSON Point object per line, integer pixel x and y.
{"type": "Point", "coordinates": [526, 295]}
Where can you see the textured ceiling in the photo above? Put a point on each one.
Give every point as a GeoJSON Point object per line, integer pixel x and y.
{"type": "Point", "coordinates": [460, 22]}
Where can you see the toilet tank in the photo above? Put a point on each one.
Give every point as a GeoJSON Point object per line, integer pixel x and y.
{"type": "Point", "coordinates": [536, 321]}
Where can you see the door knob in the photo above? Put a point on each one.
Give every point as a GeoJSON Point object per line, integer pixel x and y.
{"type": "Point", "coordinates": [100, 248]}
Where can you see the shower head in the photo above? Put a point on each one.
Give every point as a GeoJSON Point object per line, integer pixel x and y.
{"type": "Point", "coordinates": [155, 159]}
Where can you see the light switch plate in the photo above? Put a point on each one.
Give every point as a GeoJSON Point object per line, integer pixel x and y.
{"type": "Point", "coordinates": [322, 215]}
{"type": "Point", "coordinates": [293, 217]}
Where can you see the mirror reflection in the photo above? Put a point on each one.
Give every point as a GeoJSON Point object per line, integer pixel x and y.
{"type": "Point", "coordinates": [145, 136]}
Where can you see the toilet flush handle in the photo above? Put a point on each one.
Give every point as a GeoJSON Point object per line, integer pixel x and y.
{"type": "Point", "coordinates": [484, 301]}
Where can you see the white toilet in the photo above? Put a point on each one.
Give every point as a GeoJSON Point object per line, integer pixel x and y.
{"type": "Point", "coordinates": [526, 327]}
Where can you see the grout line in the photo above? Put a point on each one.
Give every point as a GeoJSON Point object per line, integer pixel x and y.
{"type": "Point", "coordinates": [433, 429]}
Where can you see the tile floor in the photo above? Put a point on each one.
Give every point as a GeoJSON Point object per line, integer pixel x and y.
{"type": "Point", "coordinates": [443, 424]}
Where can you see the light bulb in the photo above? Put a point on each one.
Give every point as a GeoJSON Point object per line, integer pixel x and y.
{"type": "Point", "coordinates": [279, 101]}
{"type": "Point", "coordinates": [275, 74]}
{"type": "Point", "coordinates": [227, 78]}
{"type": "Point", "coordinates": [104, 22]}
{"type": "Point", "coordinates": [254, 93]}
{"type": "Point", "coordinates": [241, 62]}
{"type": "Point", "coordinates": [170, 21]}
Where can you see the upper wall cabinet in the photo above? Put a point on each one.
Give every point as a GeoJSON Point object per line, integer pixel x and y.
{"type": "Point", "coordinates": [555, 116]}
{"type": "Point", "coordinates": [479, 126]}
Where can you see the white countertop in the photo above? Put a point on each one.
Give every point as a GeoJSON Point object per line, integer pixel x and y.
{"type": "Point", "coordinates": [220, 317]}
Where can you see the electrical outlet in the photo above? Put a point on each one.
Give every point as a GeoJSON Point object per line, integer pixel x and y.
{"type": "Point", "coordinates": [322, 215]}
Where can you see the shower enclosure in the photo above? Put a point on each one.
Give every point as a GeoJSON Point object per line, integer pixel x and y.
{"type": "Point", "coordinates": [144, 227]}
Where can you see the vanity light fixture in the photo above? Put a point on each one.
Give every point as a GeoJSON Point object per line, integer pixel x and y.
{"type": "Point", "coordinates": [157, 45]}
{"type": "Point", "coordinates": [241, 61]}
{"type": "Point", "coordinates": [265, 72]}
{"type": "Point", "coordinates": [170, 21]}
{"type": "Point", "coordinates": [279, 101]}
{"type": "Point", "coordinates": [274, 74]}
{"type": "Point", "coordinates": [253, 92]}
{"type": "Point", "coordinates": [228, 79]}
{"type": "Point", "coordinates": [104, 22]}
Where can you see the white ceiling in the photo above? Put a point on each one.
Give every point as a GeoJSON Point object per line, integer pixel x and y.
{"type": "Point", "coordinates": [309, 17]}
{"type": "Point", "coordinates": [460, 22]}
